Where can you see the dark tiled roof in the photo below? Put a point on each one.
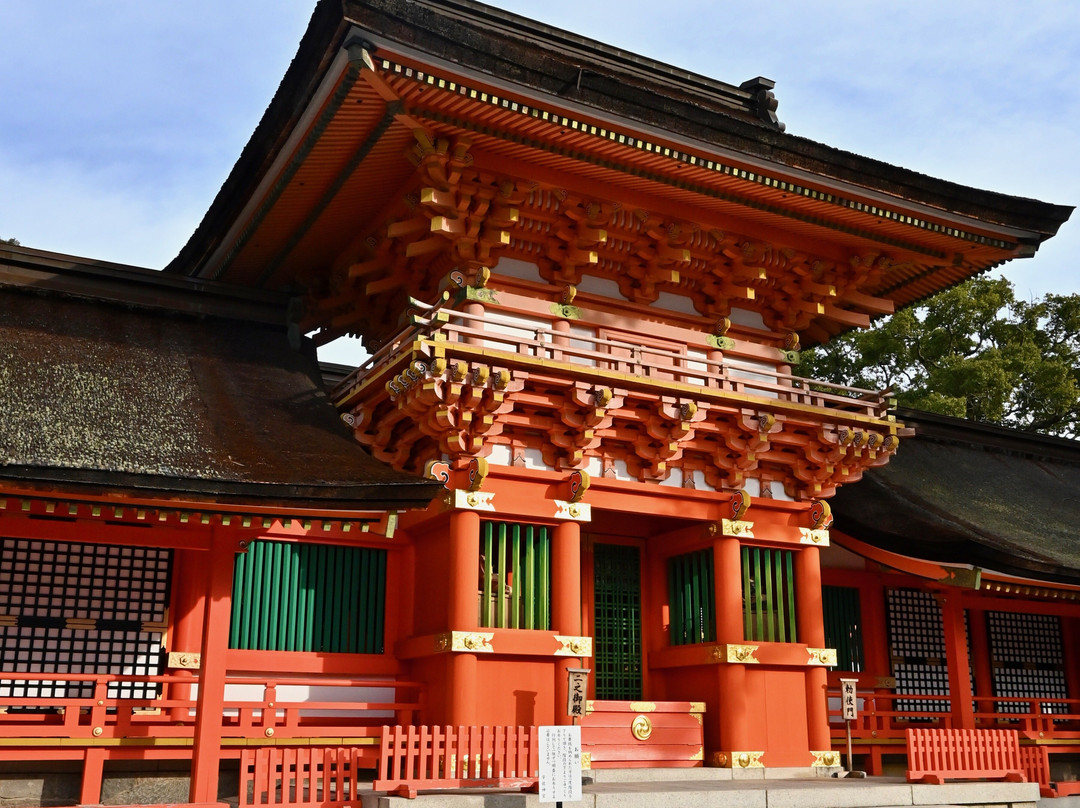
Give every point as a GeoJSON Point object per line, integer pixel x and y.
{"type": "Point", "coordinates": [107, 397]}
{"type": "Point", "coordinates": [970, 494]}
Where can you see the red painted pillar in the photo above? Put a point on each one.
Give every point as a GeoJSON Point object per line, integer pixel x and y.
{"type": "Point", "coordinates": [206, 754]}
{"type": "Point", "coordinates": [462, 613]}
{"type": "Point", "coordinates": [736, 713]}
{"type": "Point", "coordinates": [957, 659]}
{"type": "Point", "coordinates": [810, 626]}
{"type": "Point", "coordinates": [188, 607]}
{"type": "Point", "coordinates": [565, 603]}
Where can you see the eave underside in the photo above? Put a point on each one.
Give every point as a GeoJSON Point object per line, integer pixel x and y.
{"type": "Point", "coordinates": [345, 176]}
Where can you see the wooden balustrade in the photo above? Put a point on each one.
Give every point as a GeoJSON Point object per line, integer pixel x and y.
{"type": "Point", "coordinates": [103, 716]}
{"type": "Point", "coordinates": [524, 340]}
{"type": "Point", "coordinates": [887, 715]}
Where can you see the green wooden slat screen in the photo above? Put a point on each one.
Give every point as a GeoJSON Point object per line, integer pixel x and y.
{"type": "Point", "coordinates": [768, 595]}
{"type": "Point", "coordinates": [692, 598]}
{"type": "Point", "coordinates": [843, 626]}
{"type": "Point", "coordinates": [290, 596]}
{"type": "Point", "coordinates": [515, 590]}
{"type": "Point", "coordinates": [617, 621]}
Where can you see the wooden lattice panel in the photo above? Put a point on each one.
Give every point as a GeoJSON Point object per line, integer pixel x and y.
{"type": "Point", "coordinates": [617, 621]}
{"type": "Point", "coordinates": [112, 591]}
{"type": "Point", "coordinates": [917, 647]}
{"type": "Point", "coordinates": [1028, 659]}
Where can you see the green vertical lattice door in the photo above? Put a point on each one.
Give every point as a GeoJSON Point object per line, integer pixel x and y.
{"type": "Point", "coordinates": [617, 621]}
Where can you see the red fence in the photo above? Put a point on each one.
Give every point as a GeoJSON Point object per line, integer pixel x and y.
{"type": "Point", "coordinates": [415, 758]}
{"type": "Point", "coordinates": [302, 776]}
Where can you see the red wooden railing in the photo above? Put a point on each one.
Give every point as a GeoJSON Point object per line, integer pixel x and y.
{"type": "Point", "coordinates": [888, 715]}
{"type": "Point", "coordinates": [936, 755]}
{"type": "Point", "coordinates": [87, 729]}
{"type": "Point", "coordinates": [510, 338]}
{"type": "Point", "coordinates": [420, 758]}
{"type": "Point", "coordinates": [300, 776]}
{"type": "Point", "coordinates": [101, 716]}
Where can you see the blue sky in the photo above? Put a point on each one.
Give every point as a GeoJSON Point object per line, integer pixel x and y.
{"type": "Point", "coordinates": [119, 120]}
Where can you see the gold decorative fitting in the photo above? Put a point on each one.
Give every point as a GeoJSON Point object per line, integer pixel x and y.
{"type": "Point", "coordinates": [885, 683]}
{"type": "Point", "coordinates": [721, 343]}
{"type": "Point", "coordinates": [643, 707]}
{"type": "Point", "coordinates": [98, 731]}
{"type": "Point", "coordinates": [473, 500]}
{"type": "Point", "coordinates": [188, 660]}
{"type": "Point", "coordinates": [818, 538]}
{"type": "Point", "coordinates": [733, 527]}
{"type": "Point", "coordinates": [641, 727]}
{"type": "Point", "coordinates": [747, 760]}
{"type": "Point", "coordinates": [602, 396]}
{"type": "Point", "coordinates": [443, 642]}
{"type": "Point", "coordinates": [269, 732]}
{"type": "Point", "coordinates": [766, 421]}
{"type": "Point", "coordinates": [472, 642]}
{"type": "Point", "coordinates": [574, 646]}
{"type": "Point", "coordinates": [586, 760]}
{"type": "Point", "coordinates": [718, 760]}
{"type": "Point", "coordinates": [739, 654]}
{"type": "Point", "coordinates": [822, 656]}
{"type": "Point", "coordinates": [573, 511]}
{"type": "Point", "coordinates": [698, 755]}
{"type": "Point", "coordinates": [568, 294]}
{"type": "Point", "coordinates": [828, 759]}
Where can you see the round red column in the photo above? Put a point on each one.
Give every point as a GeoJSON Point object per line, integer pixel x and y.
{"type": "Point", "coordinates": [462, 613]}
{"type": "Point", "coordinates": [811, 628]}
{"type": "Point", "coordinates": [735, 716]}
{"type": "Point", "coordinates": [565, 603]}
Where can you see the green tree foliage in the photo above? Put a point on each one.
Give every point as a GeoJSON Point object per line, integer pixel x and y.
{"type": "Point", "coordinates": [14, 242]}
{"type": "Point", "coordinates": [974, 351]}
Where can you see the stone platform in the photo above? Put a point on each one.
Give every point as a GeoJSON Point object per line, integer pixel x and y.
{"type": "Point", "coordinates": [754, 788]}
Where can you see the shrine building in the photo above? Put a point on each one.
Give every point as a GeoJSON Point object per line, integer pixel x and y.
{"type": "Point", "coordinates": [582, 278]}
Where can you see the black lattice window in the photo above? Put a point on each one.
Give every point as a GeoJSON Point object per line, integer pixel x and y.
{"type": "Point", "coordinates": [617, 621]}
{"type": "Point", "coordinates": [1028, 660]}
{"type": "Point", "coordinates": [43, 585]}
{"type": "Point", "coordinates": [917, 647]}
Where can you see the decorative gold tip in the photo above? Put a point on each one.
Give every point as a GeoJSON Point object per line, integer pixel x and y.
{"type": "Point", "coordinates": [188, 660]}
{"type": "Point", "coordinates": [574, 646]}
{"type": "Point", "coordinates": [747, 760]}
{"type": "Point", "coordinates": [827, 759]}
{"type": "Point", "coordinates": [822, 656]}
{"type": "Point", "coordinates": [643, 707]}
{"type": "Point", "coordinates": [698, 755]}
{"type": "Point", "coordinates": [732, 527]}
{"type": "Point", "coordinates": [472, 642]}
{"type": "Point", "coordinates": [697, 706]}
{"type": "Point", "coordinates": [818, 537]}
{"type": "Point", "coordinates": [739, 654]}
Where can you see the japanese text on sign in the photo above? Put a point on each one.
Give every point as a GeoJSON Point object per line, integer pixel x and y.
{"type": "Point", "coordinates": [560, 764]}
{"type": "Point", "coordinates": [575, 696]}
{"type": "Point", "coordinates": [847, 698]}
